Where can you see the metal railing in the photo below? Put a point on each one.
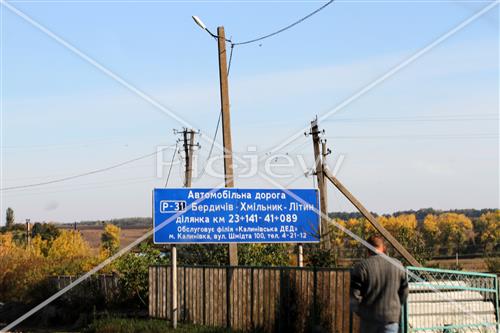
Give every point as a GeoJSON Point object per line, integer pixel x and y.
{"type": "Point", "coordinates": [451, 301]}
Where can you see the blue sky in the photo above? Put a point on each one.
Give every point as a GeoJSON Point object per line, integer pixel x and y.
{"type": "Point", "coordinates": [426, 137]}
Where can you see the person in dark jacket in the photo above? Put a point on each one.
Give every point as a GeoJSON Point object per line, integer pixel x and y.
{"type": "Point", "coordinates": [379, 287]}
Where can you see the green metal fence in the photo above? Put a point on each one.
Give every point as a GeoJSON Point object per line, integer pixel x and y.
{"type": "Point", "coordinates": [447, 301]}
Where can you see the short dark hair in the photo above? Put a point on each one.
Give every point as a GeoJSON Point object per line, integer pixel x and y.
{"type": "Point", "coordinates": [376, 241]}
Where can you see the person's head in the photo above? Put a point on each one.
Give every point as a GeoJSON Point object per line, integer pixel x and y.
{"type": "Point", "coordinates": [378, 243]}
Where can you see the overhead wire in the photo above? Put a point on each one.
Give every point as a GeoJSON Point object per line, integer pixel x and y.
{"type": "Point", "coordinates": [171, 164]}
{"type": "Point", "coordinates": [283, 29]}
{"type": "Point", "coordinates": [233, 44]}
{"type": "Point", "coordinates": [438, 118]}
{"type": "Point", "coordinates": [84, 174]}
{"type": "Point", "coordinates": [80, 187]}
{"type": "Point", "coordinates": [182, 162]}
{"type": "Point", "coordinates": [419, 136]}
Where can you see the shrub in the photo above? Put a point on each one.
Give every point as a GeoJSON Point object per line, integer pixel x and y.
{"type": "Point", "coordinates": [493, 264]}
{"type": "Point", "coordinates": [133, 270]}
{"type": "Point", "coordinates": [110, 239]}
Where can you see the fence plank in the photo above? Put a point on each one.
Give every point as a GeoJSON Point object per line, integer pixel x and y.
{"type": "Point", "coordinates": [267, 299]}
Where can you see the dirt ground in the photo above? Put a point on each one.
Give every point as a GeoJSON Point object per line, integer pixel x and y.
{"type": "Point", "coordinates": [472, 265]}
{"type": "Point", "coordinates": [92, 234]}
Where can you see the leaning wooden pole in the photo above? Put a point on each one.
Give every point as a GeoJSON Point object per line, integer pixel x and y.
{"type": "Point", "coordinates": [323, 201]}
{"type": "Point", "coordinates": [383, 231]}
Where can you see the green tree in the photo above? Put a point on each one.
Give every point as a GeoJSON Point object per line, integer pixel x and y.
{"type": "Point", "coordinates": [320, 257]}
{"type": "Point", "coordinates": [110, 239]}
{"type": "Point", "coordinates": [47, 231]}
{"type": "Point", "coordinates": [203, 254]}
{"type": "Point", "coordinates": [133, 269]}
{"type": "Point", "coordinates": [256, 254]}
{"type": "Point", "coordinates": [9, 218]}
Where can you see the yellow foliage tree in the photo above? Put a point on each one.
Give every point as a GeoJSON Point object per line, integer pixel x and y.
{"type": "Point", "coordinates": [337, 236]}
{"type": "Point", "coordinates": [24, 267]}
{"type": "Point", "coordinates": [431, 225]}
{"type": "Point", "coordinates": [72, 251]}
{"type": "Point", "coordinates": [449, 230]}
{"type": "Point", "coordinates": [20, 270]}
{"type": "Point", "coordinates": [491, 234]}
{"type": "Point", "coordinates": [110, 240]}
{"type": "Point", "coordinates": [6, 242]}
{"type": "Point", "coordinates": [69, 244]}
{"type": "Point", "coordinates": [405, 224]}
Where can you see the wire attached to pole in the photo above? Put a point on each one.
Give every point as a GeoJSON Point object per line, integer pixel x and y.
{"type": "Point", "coordinates": [171, 164]}
{"type": "Point", "coordinates": [59, 180]}
{"type": "Point", "coordinates": [285, 28]}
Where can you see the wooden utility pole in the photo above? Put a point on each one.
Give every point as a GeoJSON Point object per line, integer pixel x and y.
{"type": "Point", "coordinates": [324, 152]}
{"type": "Point", "coordinates": [386, 234]}
{"type": "Point", "coordinates": [174, 286]}
{"type": "Point", "coordinates": [188, 143]}
{"type": "Point", "coordinates": [188, 136]}
{"type": "Point", "coordinates": [28, 233]}
{"type": "Point", "coordinates": [226, 127]}
{"type": "Point", "coordinates": [318, 160]}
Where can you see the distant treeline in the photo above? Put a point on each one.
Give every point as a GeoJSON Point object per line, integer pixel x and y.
{"type": "Point", "coordinates": [419, 214]}
{"type": "Point", "coordinates": [122, 223]}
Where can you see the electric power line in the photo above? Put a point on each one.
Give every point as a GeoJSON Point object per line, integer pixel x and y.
{"type": "Point", "coordinates": [211, 146]}
{"type": "Point", "coordinates": [230, 59]}
{"type": "Point", "coordinates": [283, 29]}
{"type": "Point", "coordinates": [81, 187]}
{"type": "Point", "coordinates": [233, 44]}
{"type": "Point", "coordinates": [467, 117]}
{"type": "Point", "coordinates": [82, 174]}
{"type": "Point", "coordinates": [171, 164]}
{"type": "Point", "coordinates": [419, 136]}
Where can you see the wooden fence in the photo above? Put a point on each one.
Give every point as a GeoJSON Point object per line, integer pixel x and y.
{"type": "Point", "coordinates": [264, 299]}
{"type": "Point", "coordinates": [105, 286]}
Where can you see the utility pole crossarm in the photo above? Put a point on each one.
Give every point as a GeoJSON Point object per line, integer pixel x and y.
{"type": "Point", "coordinates": [386, 234]}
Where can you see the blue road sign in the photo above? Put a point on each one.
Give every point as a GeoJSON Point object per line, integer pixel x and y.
{"type": "Point", "coordinates": [235, 215]}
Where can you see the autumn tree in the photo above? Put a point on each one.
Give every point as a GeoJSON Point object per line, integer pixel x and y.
{"type": "Point", "coordinates": [448, 230]}
{"type": "Point", "coordinates": [431, 232]}
{"type": "Point", "coordinates": [72, 253]}
{"type": "Point", "coordinates": [20, 269]}
{"type": "Point", "coordinates": [405, 229]}
{"type": "Point", "coordinates": [490, 235]}
{"type": "Point", "coordinates": [110, 239]}
{"type": "Point", "coordinates": [9, 218]}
